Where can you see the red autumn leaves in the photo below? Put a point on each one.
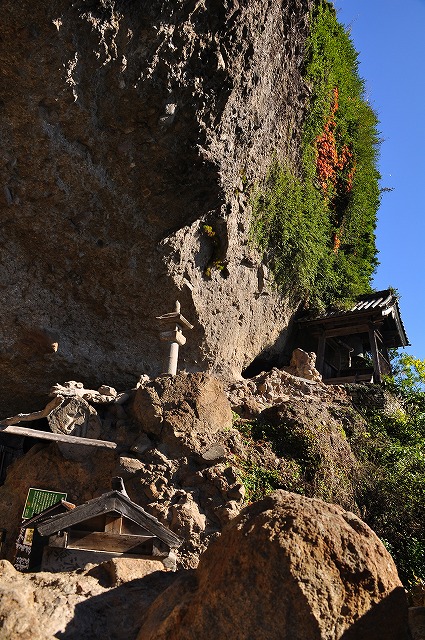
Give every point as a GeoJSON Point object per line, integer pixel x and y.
{"type": "Point", "coordinates": [335, 169]}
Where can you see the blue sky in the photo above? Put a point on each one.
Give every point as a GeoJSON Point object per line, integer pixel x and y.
{"type": "Point", "coordinates": [390, 38]}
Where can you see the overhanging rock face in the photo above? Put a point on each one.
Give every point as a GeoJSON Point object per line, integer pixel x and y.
{"type": "Point", "coordinates": [126, 127]}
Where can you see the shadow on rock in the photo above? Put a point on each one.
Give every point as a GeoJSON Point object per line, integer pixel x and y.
{"type": "Point", "coordinates": [117, 614]}
{"type": "Point", "coordinates": [370, 625]}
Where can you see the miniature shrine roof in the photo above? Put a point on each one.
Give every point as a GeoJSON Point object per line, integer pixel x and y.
{"type": "Point", "coordinates": [112, 502]}
{"type": "Point", "coordinates": [378, 305]}
{"type": "Point", "coordinates": [51, 511]}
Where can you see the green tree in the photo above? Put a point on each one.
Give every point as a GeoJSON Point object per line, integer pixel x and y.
{"type": "Point", "coordinates": [392, 450]}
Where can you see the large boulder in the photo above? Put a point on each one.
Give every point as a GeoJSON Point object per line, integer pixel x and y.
{"type": "Point", "coordinates": [312, 434]}
{"type": "Point", "coordinates": [288, 568]}
{"type": "Point", "coordinates": [126, 129]}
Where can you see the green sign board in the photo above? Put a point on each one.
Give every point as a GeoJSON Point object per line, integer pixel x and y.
{"type": "Point", "coordinates": [40, 499]}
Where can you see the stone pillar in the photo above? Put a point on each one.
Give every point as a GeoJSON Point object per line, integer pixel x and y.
{"type": "Point", "coordinates": [171, 327]}
{"type": "Point", "coordinates": [176, 340]}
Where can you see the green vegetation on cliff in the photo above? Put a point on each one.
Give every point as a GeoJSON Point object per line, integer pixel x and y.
{"type": "Point", "coordinates": [315, 224]}
{"type": "Point", "coordinates": [392, 488]}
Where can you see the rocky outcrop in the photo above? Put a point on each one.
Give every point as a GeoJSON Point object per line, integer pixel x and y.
{"type": "Point", "coordinates": [42, 606]}
{"type": "Point", "coordinates": [187, 414]}
{"type": "Point", "coordinates": [303, 365]}
{"type": "Point", "coordinates": [175, 446]}
{"type": "Point", "coordinates": [127, 127]}
{"type": "Point", "coordinates": [287, 568]}
{"type": "Point", "coordinates": [270, 388]}
{"type": "Point", "coordinates": [318, 566]}
{"type": "Point", "coordinates": [180, 457]}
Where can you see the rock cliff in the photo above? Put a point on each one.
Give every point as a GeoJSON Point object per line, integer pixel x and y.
{"type": "Point", "coordinates": [132, 133]}
{"type": "Point", "coordinates": [126, 128]}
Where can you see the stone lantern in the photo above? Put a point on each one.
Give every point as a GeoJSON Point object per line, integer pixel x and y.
{"type": "Point", "coordinates": [171, 326]}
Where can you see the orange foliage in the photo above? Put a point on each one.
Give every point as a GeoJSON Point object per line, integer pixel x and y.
{"type": "Point", "coordinates": [327, 154]}
{"type": "Point", "coordinates": [330, 164]}
{"type": "Point", "coordinates": [337, 240]}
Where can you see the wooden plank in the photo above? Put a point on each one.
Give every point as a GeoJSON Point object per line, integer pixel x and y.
{"type": "Point", "coordinates": [56, 437]}
{"type": "Point", "coordinates": [113, 524]}
{"type": "Point", "coordinates": [96, 507]}
{"type": "Point", "coordinates": [320, 359]}
{"type": "Point", "coordinates": [346, 330]}
{"type": "Point", "coordinates": [103, 541]}
{"type": "Point", "coordinates": [362, 377]}
{"type": "Point", "coordinates": [375, 355]}
{"type": "Point", "coordinates": [35, 415]}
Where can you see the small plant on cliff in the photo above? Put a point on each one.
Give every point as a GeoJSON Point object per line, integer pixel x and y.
{"type": "Point", "coordinates": [215, 261]}
{"type": "Point", "coordinates": [316, 226]}
{"type": "Point", "coordinates": [259, 481]}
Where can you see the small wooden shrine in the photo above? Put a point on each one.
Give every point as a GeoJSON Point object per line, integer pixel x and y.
{"type": "Point", "coordinates": [352, 345]}
{"type": "Point", "coordinates": [108, 526]}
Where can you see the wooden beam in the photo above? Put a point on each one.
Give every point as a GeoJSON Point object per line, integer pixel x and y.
{"type": "Point", "coordinates": [346, 330]}
{"type": "Point", "coordinates": [113, 524]}
{"type": "Point", "coordinates": [103, 541]}
{"type": "Point", "coordinates": [358, 377]}
{"type": "Point", "coordinates": [320, 359]}
{"type": "Point", "coordinates": [56, 437]}
{"type": "Point", "coordinates": [36, 415]}
{"type": "Point", "coordinates": [375, 356]}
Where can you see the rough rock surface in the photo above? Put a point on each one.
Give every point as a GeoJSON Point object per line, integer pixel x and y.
{"type": "Point", "coordinates": [288, 568]}
{"type": "Point", "coordinates": [250, 397]}
{"type": "Point", "coordinates": [312, 431]}
{"type": "Point", "coordinates": [303, 365]}
{"type": "Point", "coordinates": [43, 606]}
{"type": "Point", "coordinates": [187, 413]}
{"type": "Point", "coordinates": [183, 462]}
{"type": "Point", "coordinates": [181, 459]}
{"type": "Point", "coordinates": [125, 128]}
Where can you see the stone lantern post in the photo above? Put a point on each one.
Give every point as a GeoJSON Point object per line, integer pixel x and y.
{"type": "Point", "coordinates": [171, 326]}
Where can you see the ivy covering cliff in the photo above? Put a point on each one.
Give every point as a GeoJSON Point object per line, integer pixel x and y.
{"type": "Point", "coordinates": [315, 222]}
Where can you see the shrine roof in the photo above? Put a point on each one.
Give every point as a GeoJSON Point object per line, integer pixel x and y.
{"type": "Point", "coordinates": [375, 305]}
{"type": "Point", "coordinates": [111, 502]}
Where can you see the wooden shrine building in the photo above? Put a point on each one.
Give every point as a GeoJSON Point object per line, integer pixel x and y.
{"type": "Point", "coordinates": [352, 346]}
{"type": "Point", "coordinates": [108, 526]}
